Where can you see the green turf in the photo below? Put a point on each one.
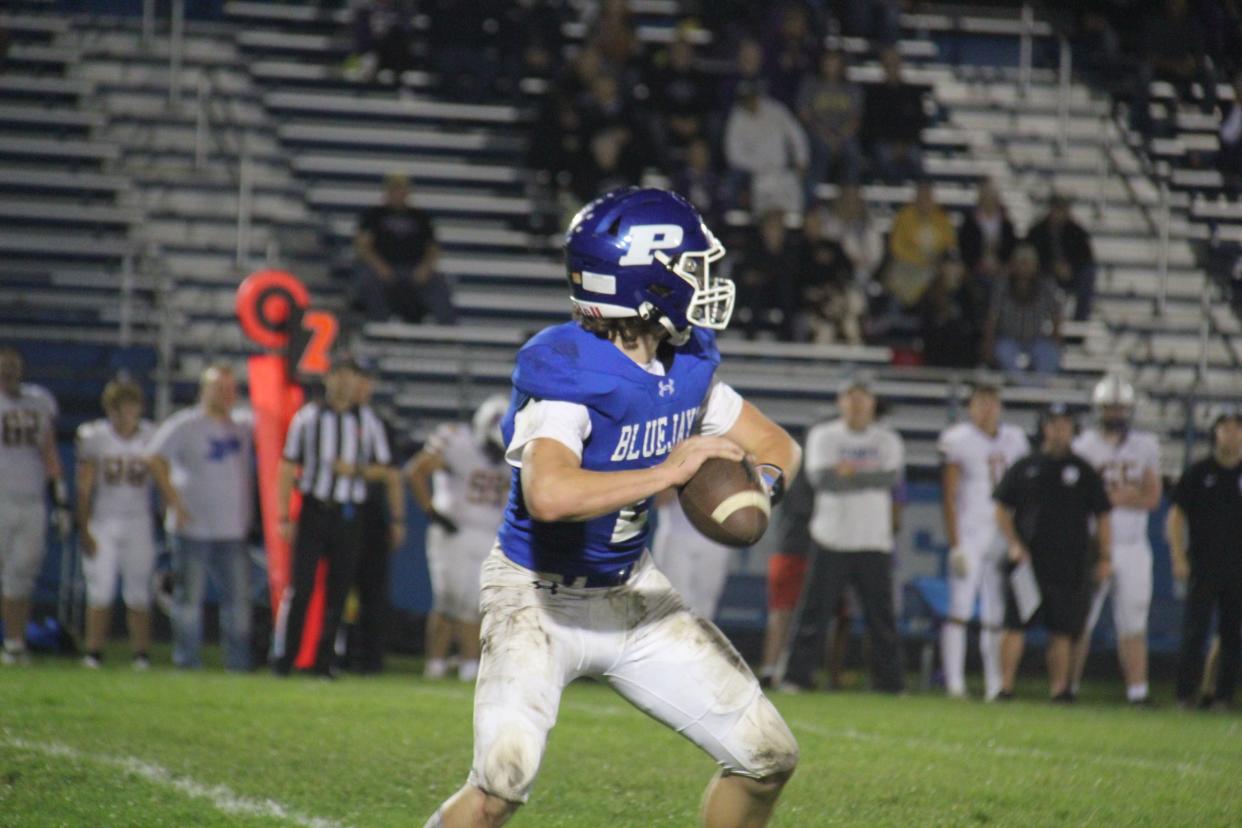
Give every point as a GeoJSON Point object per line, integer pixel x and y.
{"type": "Point", "coordinates": [118, 748]}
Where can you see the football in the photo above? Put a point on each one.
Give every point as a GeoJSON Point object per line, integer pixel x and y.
{"type": "Point", "coordinates": [726, 501]}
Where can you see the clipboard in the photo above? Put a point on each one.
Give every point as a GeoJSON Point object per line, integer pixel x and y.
{"type": "Point", "coordinates": [1025, 589]}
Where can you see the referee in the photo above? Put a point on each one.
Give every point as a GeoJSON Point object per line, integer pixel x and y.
{"type": "Point", "coordinates": [1044, 507]}
{"type": "Point", "coordinates": [336, 450]}
{"type": "Point", "coordinates": [1208, 502]}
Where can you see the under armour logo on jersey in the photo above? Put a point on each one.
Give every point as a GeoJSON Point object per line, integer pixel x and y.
{"type": "Point", "coordinates": [550, 586]}
{"type": "Point", "coordinates": [220, 449]}
{"type": "Point", "coordinates": [645, 239]}
{"type": "Point", "coordinates": [666, 388]}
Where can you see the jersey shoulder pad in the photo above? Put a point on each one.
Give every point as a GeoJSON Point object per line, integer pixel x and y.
{"type": "Point", "coordinates": [87, 437]}
{"type": "Point", "coordinates": [41, 396]}
{"type": "Point", "coordinates": [702, 344]}
{"type": "Point", "coordinates": [568, 364]}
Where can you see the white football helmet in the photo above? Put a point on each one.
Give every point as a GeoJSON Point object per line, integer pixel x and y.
{"type": "Point", "coordinates": [486, 422]}
{"type": "Point", "coordinates": [1113, 400]}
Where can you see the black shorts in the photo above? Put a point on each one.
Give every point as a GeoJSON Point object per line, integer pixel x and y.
{"type": "Point", "coordinates": [1063, 610]}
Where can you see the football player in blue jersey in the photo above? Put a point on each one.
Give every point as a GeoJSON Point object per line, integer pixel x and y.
{"type": "Point", "coordinates": [607, 411]}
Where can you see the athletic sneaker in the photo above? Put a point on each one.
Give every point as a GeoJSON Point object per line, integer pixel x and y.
{"type": "Point", "coordinates": [1064, 697]}
{"type": "Point", "coordinates": [141, 663]}
{"type": "Point", "coordinates": [92, 661]}
{"type": "Point", "coordinates": [14, 658]}
{"type": "Point", "coordinates": [1004, 696]}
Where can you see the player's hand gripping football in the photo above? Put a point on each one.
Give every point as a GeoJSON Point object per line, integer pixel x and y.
{"type": "Point", "coordinates": [959, 565]}
{"type": "Point", "coordinates": [688, 455]}
{"type": "Point", "coordinates": [87, 542]}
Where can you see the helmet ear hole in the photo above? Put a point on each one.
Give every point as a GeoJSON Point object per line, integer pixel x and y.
{"type": "Point", "coordinates": [662, 291]}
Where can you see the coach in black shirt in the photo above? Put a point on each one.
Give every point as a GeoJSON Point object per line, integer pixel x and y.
{"type": "Point", "coordinates": [1044, 507]}
{"type": "Point", "coordinates": [336, 449]}
{"type": "Point", "coordinates": [397, 256]}
{"type": "Point", "coordinates": [1208, 501]}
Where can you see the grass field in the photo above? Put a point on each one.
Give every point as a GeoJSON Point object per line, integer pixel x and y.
{"type": "Point", "coordinates": [166, 748]}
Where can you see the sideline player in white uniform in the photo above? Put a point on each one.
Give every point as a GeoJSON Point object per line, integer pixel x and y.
{"type": "Point", "coordinates": [695, 565]}
{"type": "Point", "coordinates": [975, 456]}
{"type": "Point", "coordinates": [461, 482]}
{"type": "Point", "coordinates": [116, 524]}
{"type": "Point", "coordinates": [1129, 462]}
{"type": "Point", "coordinates": [29, 464]}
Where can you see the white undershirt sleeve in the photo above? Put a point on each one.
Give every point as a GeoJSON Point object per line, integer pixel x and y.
{"type": "Point", "coordinates": [724, 406]}
{"type": "Point", "coordinates": [567, 423]}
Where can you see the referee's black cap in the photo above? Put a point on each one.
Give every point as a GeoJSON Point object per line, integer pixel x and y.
{"type": "Point", "coordinates": [1054, 411]}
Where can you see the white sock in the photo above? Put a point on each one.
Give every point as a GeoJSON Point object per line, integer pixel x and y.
{"type": "Point", "coordinates": [953, 657]}
{"type": "Point", "coordinates": [435, 668]}
{"type": "Point", "coordinates": [468, 670]}
{"type": "Point", "coordinates": [989, 647]}
{"type": "Point", "coordinates": [1136, 692]}
{"type": "Point", "coordinates": [14, 645]}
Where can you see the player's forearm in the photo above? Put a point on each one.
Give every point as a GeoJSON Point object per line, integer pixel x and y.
{"type": "Point", "coordinates": [1004, 522]}
{"type": "Point", "coordinates": [828, 480]}
{"type": "Point", "coordinates": [948, 503]}
{"type": "Point", "coordinates": [284, 488]}
{"type": "Point", "coordinates": [1175, 532]}
{"type": "Point", "coordinates": [1104, 536]}
{"type": "Point", "coordinates": [161, 474]}
{"type": "Point", "coordinates": [575, 494]}
{"type": "Point", "coordinates": [419, 476]}
{"type": "Point", "coordinates": [396, 496]}
{"type": "Point", "coordinates": [85, 483]}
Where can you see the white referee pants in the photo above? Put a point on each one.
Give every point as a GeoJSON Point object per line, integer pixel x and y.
{"type": "Point", "coordinates": [1130, 588]}
{"type": "Point", "coordinates": [985, 580]}
{"type": "Point", "coordinates": [639, 637]}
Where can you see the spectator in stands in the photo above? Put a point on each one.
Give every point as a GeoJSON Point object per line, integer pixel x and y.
{"type": "Point", "coordinates": [1173, 51]}
{"type": "Point", "coordinates": [829, 304]}
{"type": "Point", "coordinates": [922, 233]}
{"type": "Point", "coordinates": [1064, 248]}
{"type": "Point", "coordinates": [383, 36]}
{"type": "Point", "coordinates": [950, 317]}
{"type": "Point", "coordinates": [397, 256]}
{"type": "Point", "coordinates": [831, 108]}
{"type": "Point", "coordinates": [699, 182]}
{"type": "Point", "coordinates": [1229, 159]}
{"type": "Point", "coordinates": [612, 33]}
{"type": "Point", "coordinates": [766, 147]}
{"type": "Point", "coordinates": [766, 298]}
{"type": "Point", "coordinates": [464, 41]}
{"type": "Point", "coordinates": [747, 69]}
{"type": "Point", "coordinates": [855, 467]}
{"type": "Point", "coordinates": [790, 53]}
{"type": "Point", "coordinates": [986, 239]}
{"type": "Point", "coordinates": [1024, 319]}
{"type": "Point", "coordinates": [203, 454]}
{"type": "Point", "coordinates": [680, 99]}
{"type": "Point", "coordinates": [623, 151]}
{"type": "Point", "coordinates": [893, 123]}
{"type": "Point", "coordinates": [531, 41]}
{"type": "Point", "coordinates": [878, 20]}
{"type": "Point", "coordinates": [558, 138]}
{"type": "Point", "coordinates": [1207, 501]}
{"type": "Point", "coordinates": [849, 224]}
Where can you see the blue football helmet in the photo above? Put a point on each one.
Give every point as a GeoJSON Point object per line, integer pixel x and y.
{"type": "Point", "coordinates": [646, 253]}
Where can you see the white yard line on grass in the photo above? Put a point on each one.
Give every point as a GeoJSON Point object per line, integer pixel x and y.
{"type": "Point", "coordinates": [221, 798]}
{"type": "Point", "coordinates": [990, 747]}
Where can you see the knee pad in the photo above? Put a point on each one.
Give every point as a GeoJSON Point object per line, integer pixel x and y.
{"type": "Point", "coordinates": [768, 748]}
{"type": "Point", "coordinates": [510, 764]}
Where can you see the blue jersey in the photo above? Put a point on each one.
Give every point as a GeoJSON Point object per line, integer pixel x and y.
{"type": "Point", "coordinates": [636, 419]}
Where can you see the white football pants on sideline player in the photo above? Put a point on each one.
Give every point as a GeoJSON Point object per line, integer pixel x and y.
{"type": "Point", "coordinates": [124, 546]}
{"type": "Point", "coordinates": [695, 566]}
{"type": "Point", "coordinates": [985, 579]}
{"type": "Point", "coordinates": [454, 561]}
{"type": "Point", "coordinates": [23, 542]}
{"type": "Point", "coordinates": [1130, 587]}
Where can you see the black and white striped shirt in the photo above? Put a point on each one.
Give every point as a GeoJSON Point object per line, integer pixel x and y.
{"type": "Point", "coordinates": [319, 437]}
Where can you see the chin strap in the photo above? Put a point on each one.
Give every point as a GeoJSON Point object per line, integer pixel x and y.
{"type": "Point", "coordinates": [676, 338]}
{"type": "Point", "coordinates": [773, 478]}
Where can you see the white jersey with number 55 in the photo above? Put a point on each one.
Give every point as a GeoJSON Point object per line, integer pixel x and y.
{"type": "Point", "coordinates": [473, 486]}
{"type": "Point", "coordinates": [1125, 462]}
{"type": "Point", "coordinates": [982, 460]}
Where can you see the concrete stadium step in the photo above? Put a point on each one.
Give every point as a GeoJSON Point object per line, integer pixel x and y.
{"type": "Point", "coordinates": [18, 179]}
{"type": "Point", "coordinates": [330, 78]}
{"type": "Point", "coordinates": [323, 48]}
{"type": "Point", "coordinates": [28, 28]}
{"type": "Point", "coordinates": [464, 236]}
{"type": "Point", "coordinates": [26, 57]}
{"type": "Point", "coordinates": [343, 198]}
{"type": "Point", "coordinates": [302, 133]}
{"type": "Point", "coordinates": [283, 14]}
{"type": "Point", "coordinates": [49, 90]}
{"type": "Point", "coordinates": [54, 120]}
{"type": "Point", "coordinates": [376, 167]}
{"type": "Point", "coordinates": [28, 211]}
{"type": "Point", "coordinates": [126, 44]}
{"type": "Point", "coordinates": [55, 246]}
{"type": "Point", "coordinates": [154, 135]}
{"type": "Point", "coordinates": [373, 108]}
{"type": "Point", "coordinates": [115, 74]}
{"type": "Point", "coordinates": [153, 105]}
{"type": "Point", "coordinates": [213, 202]}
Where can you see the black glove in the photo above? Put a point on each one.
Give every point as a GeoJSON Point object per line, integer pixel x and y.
{"type": "Point", "coordinates": [444, 522]}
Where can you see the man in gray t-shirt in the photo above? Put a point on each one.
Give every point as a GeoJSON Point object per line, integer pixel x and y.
{"type": "Point", "coordinates": [205, 453]}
